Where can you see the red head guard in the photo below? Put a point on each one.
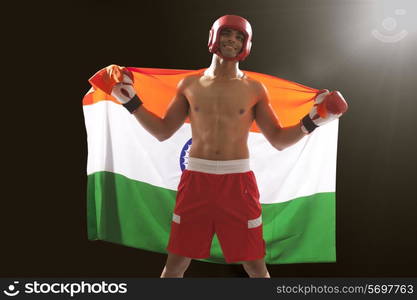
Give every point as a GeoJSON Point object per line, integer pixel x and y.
{"type": "Point", "coordinates": [234, 22]}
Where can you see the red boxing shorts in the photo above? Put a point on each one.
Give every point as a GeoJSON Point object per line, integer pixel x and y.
{"type": "Point", "coordinates": [219, 197]}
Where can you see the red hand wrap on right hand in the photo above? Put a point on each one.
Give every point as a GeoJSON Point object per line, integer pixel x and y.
{"type": "Point", "coordinates": [106, 78]}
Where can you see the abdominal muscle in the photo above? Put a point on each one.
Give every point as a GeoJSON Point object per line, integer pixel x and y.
{"type": "Point", "coordinates": [220, 138]}
{"type": "Point", "coordinates": [221, 114]}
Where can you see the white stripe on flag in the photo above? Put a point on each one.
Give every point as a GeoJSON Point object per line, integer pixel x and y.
{"type": "Point", "coordinates": [118, 143]}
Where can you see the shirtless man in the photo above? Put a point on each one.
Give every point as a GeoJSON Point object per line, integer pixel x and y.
{"type": "Point", "coordinates": [217, 192]}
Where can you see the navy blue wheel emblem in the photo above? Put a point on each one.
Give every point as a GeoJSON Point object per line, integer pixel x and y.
{"type": "Point", "coordinates": [184, 154]}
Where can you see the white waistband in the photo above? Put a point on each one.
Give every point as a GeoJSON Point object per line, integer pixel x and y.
{"type": "Point", "coordinates": [218, 166]}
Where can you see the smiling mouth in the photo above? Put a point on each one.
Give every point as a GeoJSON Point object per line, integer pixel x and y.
{"type": "Point", "coordinates": [229, 47]}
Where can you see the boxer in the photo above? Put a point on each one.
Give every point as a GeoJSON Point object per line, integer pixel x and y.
{"type": "Point", "coordinates": [217, 192]}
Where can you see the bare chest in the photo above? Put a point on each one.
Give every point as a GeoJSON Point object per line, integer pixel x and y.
{"type": "Point", "coordinates": [226, 98]}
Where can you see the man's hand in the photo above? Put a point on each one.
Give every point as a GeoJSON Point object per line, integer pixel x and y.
{"type": "Point", "coordinates": [118, 82]}
{"type": "Point", "coordinates": [327, 107]}
{"type": "Point", "coordinates": [124, 91]}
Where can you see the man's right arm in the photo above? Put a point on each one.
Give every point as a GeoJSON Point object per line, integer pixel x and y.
{"type": "Point", "coordinates": [175, 116]}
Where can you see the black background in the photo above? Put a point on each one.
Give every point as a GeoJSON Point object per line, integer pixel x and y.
{"type": "Point", "coordinates": [51, 49]}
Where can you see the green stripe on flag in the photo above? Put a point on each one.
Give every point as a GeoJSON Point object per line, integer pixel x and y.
{"type": "Point", "coordinates": [136, 214]}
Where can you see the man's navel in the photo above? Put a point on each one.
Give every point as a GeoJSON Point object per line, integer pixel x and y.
{"type": "Point", "coordinates": [241, 111]}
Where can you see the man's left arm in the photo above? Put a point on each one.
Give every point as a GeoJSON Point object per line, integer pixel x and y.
{"type": "Point", "coordinates": [281, 138]}
{"type": "Point", "coordinates": [267, 121]}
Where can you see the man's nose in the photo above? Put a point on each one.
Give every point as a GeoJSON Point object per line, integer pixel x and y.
{"type": "Point", "coordinates": [232, 38]}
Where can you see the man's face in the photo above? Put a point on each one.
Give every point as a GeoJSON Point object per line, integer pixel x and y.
{"type": "Point", "coordinates": [231, 42]}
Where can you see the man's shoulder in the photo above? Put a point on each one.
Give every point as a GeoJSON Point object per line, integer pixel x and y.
{"type": "Point", "coordinates": [187, 81]}
{"type": "Point", "coordinates": [257, 85]}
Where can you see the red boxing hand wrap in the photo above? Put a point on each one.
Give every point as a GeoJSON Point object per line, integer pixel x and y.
{"type": "Point", "coordinates": [327, 107]}
{"type": "Point", "coordinates": [106, 78]}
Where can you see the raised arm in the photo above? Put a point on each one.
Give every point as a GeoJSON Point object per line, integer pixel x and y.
{"type": "Point", "coordinates": [267, 121]}
{"type": "Point", "coordinates": [160, 128]}
{"type": "Point", "coordinates": [327, 107]}
{"type": "Point", "coordinates": [175, 116]}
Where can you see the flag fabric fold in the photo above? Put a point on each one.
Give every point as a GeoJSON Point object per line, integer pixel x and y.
{"type": "Point", "coordinates": [133, 178]}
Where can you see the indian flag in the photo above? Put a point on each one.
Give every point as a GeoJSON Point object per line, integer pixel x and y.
{"type": "Point", "coordinates": [133, 178]}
